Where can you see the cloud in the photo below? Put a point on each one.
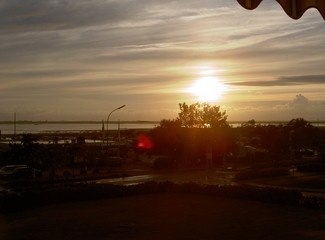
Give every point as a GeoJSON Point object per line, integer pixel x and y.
{"type": "Point", "coordinates": [299, 107]}
{"type": "Point", "coordinates": [300, 100]}
{"type": "Point", "coordinates": [285, 81]}
{"type": "Point", "coordinates": [302, 106]}
{"type": "Point", "coordinates": [32, 15]}
{"type": "Point", "coordinates": [63, 31]}
{"type": "Point", "coordinates": [39, 15]}
{"type": "Point", "coordinates": [78, 55]}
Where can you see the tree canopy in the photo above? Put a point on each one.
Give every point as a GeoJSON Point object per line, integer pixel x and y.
{"type": "Point", "coordinates": [201, 115]}
{"type": "Point", "coordinates": [299, 123]}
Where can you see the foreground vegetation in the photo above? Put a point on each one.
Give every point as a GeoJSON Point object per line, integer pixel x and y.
{"type": "Point", "coordinates": [201, 135]}
{"type": "Point", "coordinates": [16, 201]}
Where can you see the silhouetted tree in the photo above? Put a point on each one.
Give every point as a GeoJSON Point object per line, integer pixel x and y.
{"type": "Point", "coordinates": [171, 124]}
{"type": "Point", "coordinates": [200, 129]}
{"type": "Point", "coordinates": [302, 134]}
{"type": "Point", "coordinates": [297, 123]}
{"type": "Point", "coordinates": [201, 115]}
{"type": "Point", "coordinates": [167, 138]}
{"type": "Point", "coordinates": [251, 123]}
{"type": "Point", "coordinates": [30, 149]}
{"type": "Point", "coordinates": [251, 132]}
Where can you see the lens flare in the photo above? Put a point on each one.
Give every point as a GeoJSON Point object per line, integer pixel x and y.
{"type": "Point", "coordinates": [144, 142]}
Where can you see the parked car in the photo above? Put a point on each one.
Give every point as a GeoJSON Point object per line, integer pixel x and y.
{"type": "Point", "coordinates": [7, 170]}
{"type": "Point", "coordinates": [114, 162]}
{"type": "Point", "coordinates": [19, 172]}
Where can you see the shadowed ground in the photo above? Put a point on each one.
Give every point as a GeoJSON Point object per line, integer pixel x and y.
{"type": "Point", "coordinates": [164, 216]}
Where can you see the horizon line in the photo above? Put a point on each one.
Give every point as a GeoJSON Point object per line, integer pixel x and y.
{"type": "Point", "coordinates": [139, 121]}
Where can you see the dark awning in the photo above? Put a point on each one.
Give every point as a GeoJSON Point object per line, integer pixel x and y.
{"type": "Point", "coordinates": [294, 8]}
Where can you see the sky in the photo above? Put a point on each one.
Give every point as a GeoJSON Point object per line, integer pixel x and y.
{"type": "Point", "coordinates": [81, 59]}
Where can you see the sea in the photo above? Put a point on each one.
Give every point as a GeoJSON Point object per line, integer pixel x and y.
{"type": "Point", "coordinates": [56, 127]}
{"type": "Point", "coordinates": [32, 128]}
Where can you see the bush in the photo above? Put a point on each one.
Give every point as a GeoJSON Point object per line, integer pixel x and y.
{"type": "Point", "coordinates": [16, 201]}
{"type": "Point", "coordinates": [313, 202]}
{"type": "Point", "coordinates": [162, 163]}
{"type": "Point", "coordinates": [66, 173]}
{"type": "Point", "coordinates": [311, 168]}
{"type": "Point", "coordinates": [261, 173]}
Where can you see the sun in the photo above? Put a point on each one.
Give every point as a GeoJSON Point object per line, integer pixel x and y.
{"type": "Point", "coordinates": [208, 89]}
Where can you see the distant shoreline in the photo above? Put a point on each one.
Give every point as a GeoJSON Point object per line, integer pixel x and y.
{"type": "Point", "coordinates": [78, 122]}
{"type": "Point", "coordinates": [139, 122]}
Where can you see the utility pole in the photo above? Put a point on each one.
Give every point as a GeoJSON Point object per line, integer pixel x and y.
{"type": "Point", "coordinates": [108, 119]}
{"type": "Point", "coordinates": [119, 139]}
{"type": "Point", "coordinates": [15, 126]}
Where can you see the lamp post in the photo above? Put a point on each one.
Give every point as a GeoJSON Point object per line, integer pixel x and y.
{"type": "Point", "coordinates": [108, 119]}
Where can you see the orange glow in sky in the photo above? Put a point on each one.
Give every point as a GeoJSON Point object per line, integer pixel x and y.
{"type": "Point", "coordinates": [208, 89]}
{"type": "Point", "coordinates": [58, 64]}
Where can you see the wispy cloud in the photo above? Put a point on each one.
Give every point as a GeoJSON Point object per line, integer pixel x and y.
{"type": "Point", "coordinates": [285, 81]}
{"type": "Point", "coordinates": [62, 57]}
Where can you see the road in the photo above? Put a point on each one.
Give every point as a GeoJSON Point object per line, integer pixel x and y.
{"type": "Point", "coordinates": [211, 177]}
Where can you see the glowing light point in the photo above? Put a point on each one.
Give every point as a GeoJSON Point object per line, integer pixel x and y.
{"type": "Point", "coordinates": [208, 89]}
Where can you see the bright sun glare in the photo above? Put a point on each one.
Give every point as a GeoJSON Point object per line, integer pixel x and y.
{"type": "Point", "coordinates": [208, 89]}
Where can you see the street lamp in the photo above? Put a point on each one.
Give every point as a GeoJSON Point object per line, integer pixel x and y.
{"type": "Point", "coordinates": [108, 119]}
